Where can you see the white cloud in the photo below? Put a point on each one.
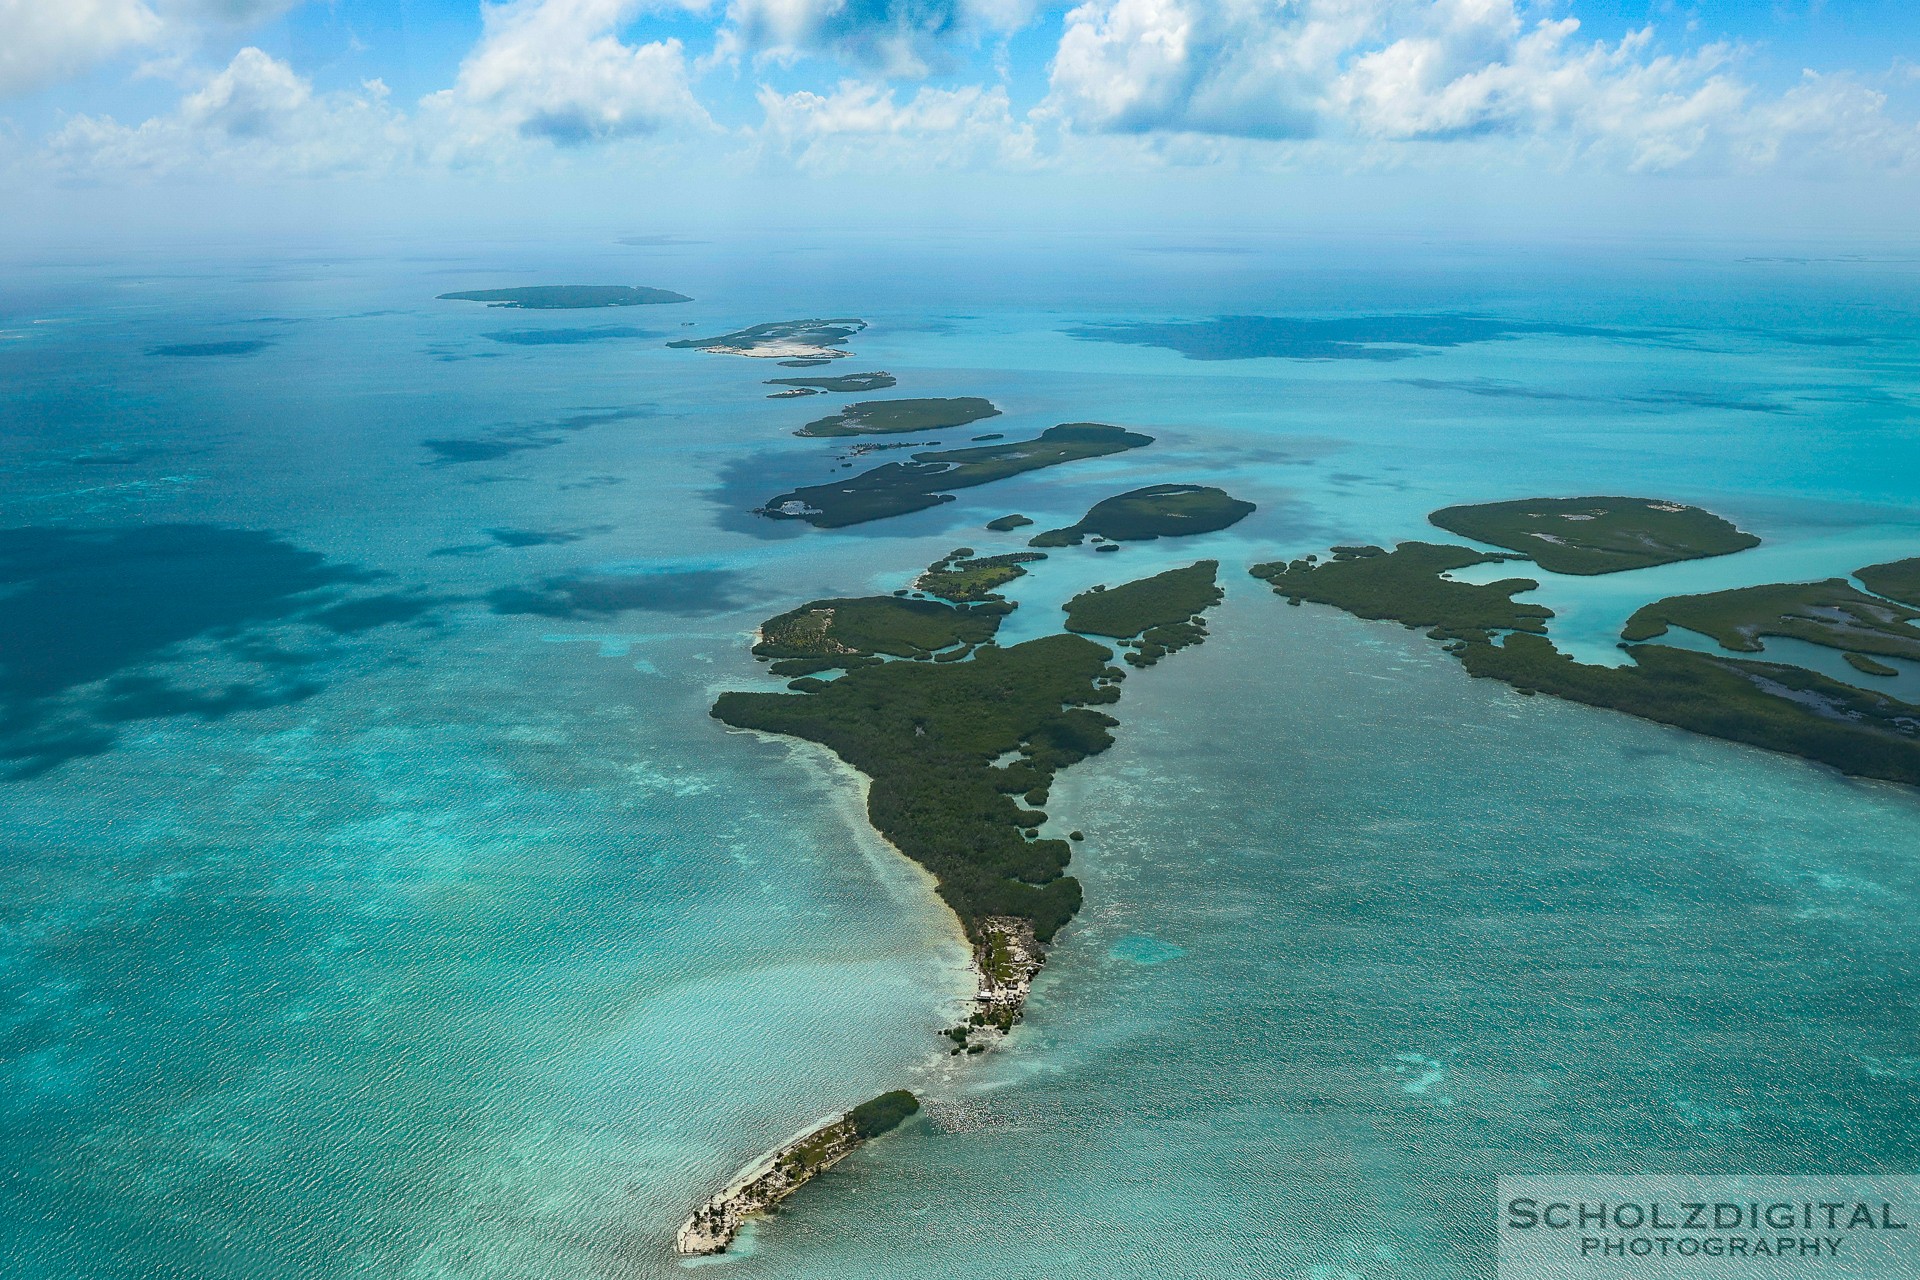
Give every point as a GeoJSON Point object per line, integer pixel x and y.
{"type": "Point", "coordinates": [256, 116]}
{"type": "Point", "coordinates": [43, 42]}
{"type": "Point", "coordinates": [557, 70]}
{"type": "Point", "coordinates": [860, 126]}
{"type": "Point", "coordinates": [1373, 72]}
{"type": "Point", "coordinates": [893, 37]}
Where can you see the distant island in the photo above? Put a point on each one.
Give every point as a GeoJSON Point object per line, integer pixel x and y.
{"type": "Point", "coordinates": [891, 417]}
{"type": "Point", "coordinates": [568, 297]}
{"type": "Point", "coordinates": [1157, 511]}
{"type": "Point", "coordinates": [800, 342]}
{"type": "Point", "coordinates": [1597, 535]}
{"type": "Point", "coordinates": [844, 382]}
{"type": "Point", "coordinates": [1775, 705]}
{"type": "Point", "coordinates": [899, 487]}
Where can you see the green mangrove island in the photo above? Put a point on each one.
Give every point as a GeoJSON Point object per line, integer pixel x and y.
{"type": "Point", "coordinates": [1777, 706]}
{"type": "Point", "coordinates": [899, 487]}
{"type": "Point", "coordinates": [961, 752]}
{"type": "Point", "coordinates": [1157, 511]}
{"type": "Point", "coordinates": [890, 417]}
{"type": "Point", "coordinates": [1007, 524]}
{"type": "Point", "coordinates": [1832, 613]}
{"type": "Point", "coordinates": [1896, 580]}
{"type": "Point", "coordinates": [964, 579]}
{"type": "Point", "coordinates": [811, 341]}
{"type": "Point", "coordinates": [839, 383]}
{"type": "Point", "coordinates": [1597, 535]}
{"type": "Point", "coordinates": [1152, 617]}
{"type": "Point", "coordinates": [569, 297]}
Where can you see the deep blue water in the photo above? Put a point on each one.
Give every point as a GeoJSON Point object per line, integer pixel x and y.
{"type": "Point", "coordinates": [379, 899]}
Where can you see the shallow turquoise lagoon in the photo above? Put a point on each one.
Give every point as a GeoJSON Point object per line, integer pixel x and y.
{"type": "Point", "coordinates": [380, 901]}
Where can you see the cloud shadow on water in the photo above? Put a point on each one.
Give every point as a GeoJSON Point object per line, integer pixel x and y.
{"type": "Point", "coordinates": [1347, 338]}
{"type": "Point", "coordinates": [504, 442]}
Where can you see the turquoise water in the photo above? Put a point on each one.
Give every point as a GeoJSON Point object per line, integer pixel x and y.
{"type": "Point", "coordinates": [380, 901]}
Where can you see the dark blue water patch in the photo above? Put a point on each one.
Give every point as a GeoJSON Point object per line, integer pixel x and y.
{"type": "Point", "coordinates": [1348, 338]}
{"type": "Point", "coordinates": [504, 442]}
{"type": "Point", "coordinates": [193, 350]}
{"type": "Point", "coordinates": [1495, 388]}
{"type": "Point", "coordinates": [694, 592]}
{"type": "Point", "coordinates": [569, 337]}
{"type": "Point", "coordinates": [364, 613]}
{"type": "Point", "coordinates": [516, 539]}
{"type": "Point", "coordinates": [103, 626]}
{"type": "Point", "coordinates": [1712, 400]}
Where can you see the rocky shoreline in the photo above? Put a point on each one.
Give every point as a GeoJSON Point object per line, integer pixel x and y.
{"type": "Point", "coordinates": [784, 1170]}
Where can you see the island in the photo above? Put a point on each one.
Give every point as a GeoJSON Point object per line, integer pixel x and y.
{"type": "Point", "coordinates": [840, 383]}
{"type": "Point", "coordinates": [1006, 524]}
{"type": "Point", "coordinates": [810, 341]}
{"type": "Point", "coordinates": [784, 1170]}
{"type": "Point", "coordinates": [890, 417]}
{"type": "Point", "coordinates": [1152, 617]}
{"type": "Point", "coordinates": [569, 297]}
{"type": "Point", "coordinates": [900, 487]}
{"type": "Point", "coordinates": [961, 743]}
{"type": "Point", "coordinates": [962, 578]}
{"type": "Point", "coordinates": [1777, 706]}
{"type": "Point", "coordinates": [1597, 535]}
{"type": "Point", "coordinates": [1832, 613]}
{"type": "Point", "coordinates": [1157, 511]}
{"type": "Point", "coordinates": [1896, 580]}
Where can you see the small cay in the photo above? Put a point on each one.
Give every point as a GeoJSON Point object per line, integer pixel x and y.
{"type": "Point", "coordinates": [783, 1171]}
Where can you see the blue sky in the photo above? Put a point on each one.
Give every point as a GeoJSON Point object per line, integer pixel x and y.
{"type": "Point", "coordinates": [1575, 106]}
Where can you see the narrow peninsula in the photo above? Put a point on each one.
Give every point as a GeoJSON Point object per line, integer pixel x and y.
{"type": "Point", "coordinates": [787, 1168]}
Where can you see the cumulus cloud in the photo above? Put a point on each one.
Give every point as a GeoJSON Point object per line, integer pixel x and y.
{"type": "Point", "coordinates": [893, 37]}
{"type": "Point", "coordinates": [1408, 71]}
{"type": "Point", "coordinates": [43, 43]}
{"type": "Point", "coordinates": [860, 125]}
{"type": "Point", "coordinates": [256, 115]}
{"type": "Point", "coordinates": [557, 70]}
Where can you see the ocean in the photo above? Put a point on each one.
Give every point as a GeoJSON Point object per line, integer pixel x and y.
{"type": "Point", "coordinates": [380, 900]}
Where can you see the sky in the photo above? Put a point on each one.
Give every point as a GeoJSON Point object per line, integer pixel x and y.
{"type": "Point", "coordinates": [1795, 118]}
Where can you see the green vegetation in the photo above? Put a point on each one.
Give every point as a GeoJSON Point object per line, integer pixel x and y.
{"type": "Point", "coordinates": [899, 487]}
{"type": "Point", "coordinates": [569, 297]}
{"type": "Point", "coordinates": [839, 383]}
{"type": "Point", "coordinates": [949, 745]}
{"type": "Point", "coordinates": [960, 578]}
{"type": "Point", "coordinates": [1163, 611]}
{"type": "Point", "coordinates": [1897, 580]}
{"type": "Point", "coordinates": [1405, 585]}
{"type": "Point", "coordinates": [1158, 511]}
{"type": "Point", "coordinates": [1764, 704]}
{"type": "Point", "coordinates": [879, 1115]}
{"type": "Point", "coordinates": [1596, 535]}
{"type": "Point", "coordinates": [891, 417]}
{"type": "Point", "coordinates": [1771, 705]}
{"type": "Point", "coordinates": [1006, 524]}
{"type": "Point", "coordinates": [811, 340]}
{"type": "Point", "coordinates": [1831, 613]}
{"type": "Point", "coordinates": [1867, 666]}
{"type": "Point", "coordinates": [928, 735]}
{"type": "Point", "coordinates": [837, 633]}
